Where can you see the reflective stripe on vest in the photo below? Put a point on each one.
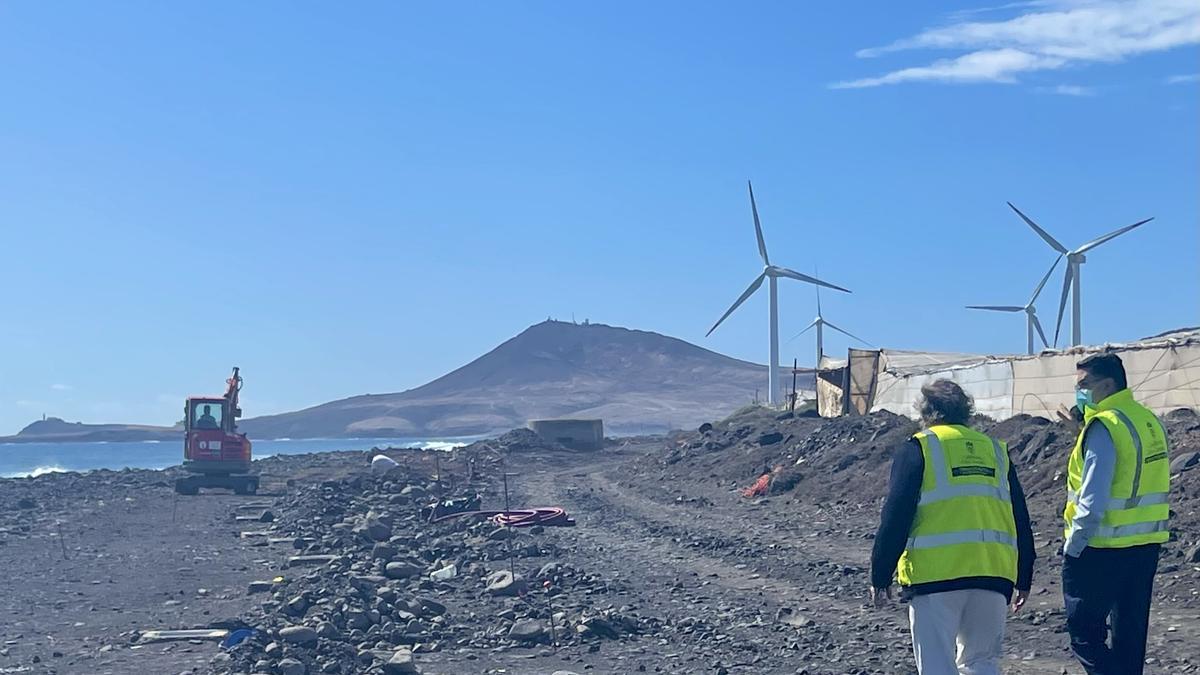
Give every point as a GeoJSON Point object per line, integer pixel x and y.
{"type": "Point", "coordinates": [1137, 445]}
{"type": "Point", "coordinates": [1148, 499]}
{"type": "Point", "coordinates": [963, 537]}
{"type": "Point", "coordinates": [1131, 530]}
{"type": "Point", "coordinates": [945, 490]}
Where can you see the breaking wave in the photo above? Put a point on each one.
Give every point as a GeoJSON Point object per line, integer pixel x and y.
{"type": "Point", "coordinates": [37, 471]}
{"type": "Point", "coordinates": [439, 445]}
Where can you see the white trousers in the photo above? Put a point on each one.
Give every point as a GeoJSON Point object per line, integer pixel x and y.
{"type": "Point", "coordinates": [958, 632]}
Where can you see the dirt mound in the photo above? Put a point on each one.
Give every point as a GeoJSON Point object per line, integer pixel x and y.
{"type": "Point", "coordinates": [517, 440]}
{"type": "Point", "coordinates": [1038, 447]}
{"type": "Point", "coordinates": [848, 459]}
{"type": "Point", "coordinates": [798, 448]}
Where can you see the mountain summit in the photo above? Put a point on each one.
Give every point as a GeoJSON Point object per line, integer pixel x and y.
{"type": "Point", "coordinates": [634, 380]}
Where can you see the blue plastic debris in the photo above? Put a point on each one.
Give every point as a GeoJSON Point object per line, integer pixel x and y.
{"type": "Point", "coordinates": [237, 637]}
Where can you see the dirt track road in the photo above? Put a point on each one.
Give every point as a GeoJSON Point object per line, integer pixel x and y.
{"type": "Point", "coordinates": [745, 567]}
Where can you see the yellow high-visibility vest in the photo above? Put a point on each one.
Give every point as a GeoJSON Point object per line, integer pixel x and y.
{"type": "Point", "coordinates": [1137, 510]}
{"type": "Point", "coordinates": [964, 526]}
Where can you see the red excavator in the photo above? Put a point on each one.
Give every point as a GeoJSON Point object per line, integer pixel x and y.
{"type": "Point", "coordinates": [213, 450]}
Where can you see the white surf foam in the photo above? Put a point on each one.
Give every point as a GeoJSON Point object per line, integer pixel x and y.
{"type": "Point", "coordinates": [444, 446]}
{"type": "Point", "coordinates": [37, 471]}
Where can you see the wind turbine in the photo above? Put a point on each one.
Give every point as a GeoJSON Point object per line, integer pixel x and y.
{"type": "Point", "coordinates": [819, 323]}
{"type": "Point", "coordinates": [1031, 320]}
{"type": "Point", "coordinates": [1075, 260]}
{"type": "Point", "coordinates": [771, 272]}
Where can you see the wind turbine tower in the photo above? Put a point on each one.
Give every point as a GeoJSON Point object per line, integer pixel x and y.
{"type": "Point", "coordinates": [772, 273]}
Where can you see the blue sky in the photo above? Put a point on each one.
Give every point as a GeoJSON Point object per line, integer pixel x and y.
{"type": "Point", "coordinates": [351, 199]}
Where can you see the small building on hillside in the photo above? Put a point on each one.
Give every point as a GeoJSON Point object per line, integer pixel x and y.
{"type": "Point", "coordinates": [574, 434]}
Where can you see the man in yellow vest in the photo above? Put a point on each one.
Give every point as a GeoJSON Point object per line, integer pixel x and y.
{"type": "Point", "coordinates": [955, 521]}
{"type": "Point", "coordinates": [1118, 481]}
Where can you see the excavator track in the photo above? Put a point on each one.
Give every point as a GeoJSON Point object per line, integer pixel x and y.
{"type": "Point", "coordinates": [242, 485]}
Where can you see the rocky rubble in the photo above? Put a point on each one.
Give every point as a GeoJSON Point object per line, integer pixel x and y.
{"type": "Point", "coordinates": [389, 586]}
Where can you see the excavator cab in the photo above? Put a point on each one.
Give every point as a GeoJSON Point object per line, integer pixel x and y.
{"type": "Point", "coordinates": [212, 447]}
{"type": "Point", "coordinates": [201, 413]}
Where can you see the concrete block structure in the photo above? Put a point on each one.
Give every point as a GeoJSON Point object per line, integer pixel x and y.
{"type": "Point", "coordinates": [575, 434]}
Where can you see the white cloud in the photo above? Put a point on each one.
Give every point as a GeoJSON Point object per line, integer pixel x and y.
{"type": "Point", "coordinates": [998, 65]}
{"type": "Point", "coordinates": [61, 387]}
{"type": "Point", "coordinates": [1184, 79]}
{"type": "Point", "coordinates": [961, 14]}
{"type": "Point", "coordinates": [1069, 90]}
{"type": "Point", "coordinates": [1057, 34]}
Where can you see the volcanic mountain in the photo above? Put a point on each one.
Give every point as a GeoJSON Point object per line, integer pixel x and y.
{"type": "Point", "coordinates": [636, 381]}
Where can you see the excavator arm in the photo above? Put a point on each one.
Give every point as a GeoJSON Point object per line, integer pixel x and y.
{"type": "Point", "coordinates": [231, 393]}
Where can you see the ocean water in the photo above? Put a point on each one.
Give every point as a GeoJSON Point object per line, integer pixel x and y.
{"type": "Point", "coordinates": [18, 460]}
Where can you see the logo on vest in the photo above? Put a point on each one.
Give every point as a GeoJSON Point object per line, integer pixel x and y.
{"type": "Point", "coordinates": [973, 469]}
{"type": "Point", "coordinates": [1157, 447]}
{"type": "Point", "coordinates": [1152, 429]}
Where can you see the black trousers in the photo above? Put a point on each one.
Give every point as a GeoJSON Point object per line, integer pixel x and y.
{"type": "Point", "coordinates": [1110, 589]}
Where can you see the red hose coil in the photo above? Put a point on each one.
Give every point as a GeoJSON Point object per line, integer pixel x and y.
{"type": "Point", "coordinates": [546, 516]}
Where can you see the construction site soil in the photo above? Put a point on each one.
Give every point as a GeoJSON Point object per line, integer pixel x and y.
{"type": "Point", "coordinates": [669, 568]}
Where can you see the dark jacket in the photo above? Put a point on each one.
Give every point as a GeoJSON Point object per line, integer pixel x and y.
{"type": "Point", "coordinates": [908, 467]}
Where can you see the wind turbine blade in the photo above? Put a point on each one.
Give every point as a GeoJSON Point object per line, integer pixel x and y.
{"type": "Point", "coordinates": [1111, 235]}
{"type": "Point", "coordinates": [846, 333]}
{"type": "Point", "coordinates": [997, 308]}
{"type": "Point", "coordinates": [805, 330]}
{"type": "Point", "coordinates": [1062, 303]}
{"type": "Point", "coordinates": [793, 274]}
{"type": "Point", "coordinates": [1041, 285]}
{"type": "Point", "coordinates": [1038, 325]}
{"type": "Point", "coordinates": [762, 245]}
{"type": "Point", "coordinates": [1044, 234]}
{"type": "Point", "coordinates": [749, 292]}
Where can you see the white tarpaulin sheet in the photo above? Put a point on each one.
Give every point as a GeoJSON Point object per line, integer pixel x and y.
{"type": "Point", "coordinates": [1162, 378]}
{"type": "Point", "coordinates": [990, 383]}
{"type": "Point", "coordinates": [1164, 373]}
{"type": "Point", "coordinates": [903, 361]}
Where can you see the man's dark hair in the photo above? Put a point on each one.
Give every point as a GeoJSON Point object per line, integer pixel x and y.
{"type": "Point", "coordinates": [1105, 364]}
{"type": "Point", "coordinates": [944, 401]}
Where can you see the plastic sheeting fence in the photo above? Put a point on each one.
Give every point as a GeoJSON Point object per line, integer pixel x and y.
{"type": "Point", "coordinates": [1164, 373]}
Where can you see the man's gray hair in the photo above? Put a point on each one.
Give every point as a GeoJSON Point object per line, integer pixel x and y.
{"type": "Point", "coordinates": [944, 402]}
